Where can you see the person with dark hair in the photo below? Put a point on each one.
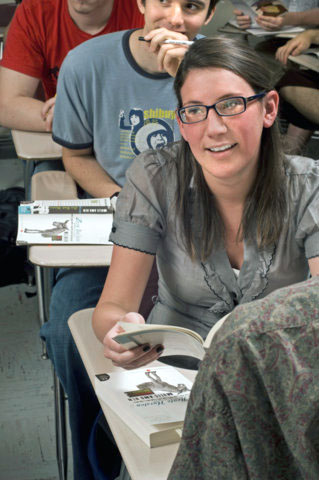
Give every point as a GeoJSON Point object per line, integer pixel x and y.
{"type": "Point", "coordinates": [41, 33]}
{"type": "Point", "coordinates": [229, 217]}
{"type": "Point", "coordinates": [121, 75]}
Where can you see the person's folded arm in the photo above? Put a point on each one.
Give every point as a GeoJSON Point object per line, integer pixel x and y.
{"type": "Point", "coordinates": [88, 173]}
{"type": "Point", "coordinates": [18, 109]}
{"type": "Point", "coordinates": [120, 300]}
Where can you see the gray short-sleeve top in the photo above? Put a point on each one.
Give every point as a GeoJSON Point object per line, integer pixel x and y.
{"type": "Point", "coordinates": [196, 294]}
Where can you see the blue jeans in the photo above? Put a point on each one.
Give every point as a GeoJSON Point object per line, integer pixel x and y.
{"type": "Point", "coordinates": [47, 165]}
{"type": "Point", "coordinates": [74, 289]}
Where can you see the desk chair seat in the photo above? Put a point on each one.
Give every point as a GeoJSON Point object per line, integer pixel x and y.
{"type": "Point", "coordinates": [53, 185]}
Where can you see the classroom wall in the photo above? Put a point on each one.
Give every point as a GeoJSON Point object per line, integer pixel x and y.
{"type": "Point", "coordinates": [224, 11]}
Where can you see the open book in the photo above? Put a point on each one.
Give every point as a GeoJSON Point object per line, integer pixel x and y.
{"type": "Point", "coordinates": [176, 340]}
{"type": "Point", "coordinates": [254, 8]}
{"type": "Point", "coordinates": [79, 221]}
{"type": "Point", "coordinates": [151, 401]}
{"type": "Point", "coordinates": [312, 51]}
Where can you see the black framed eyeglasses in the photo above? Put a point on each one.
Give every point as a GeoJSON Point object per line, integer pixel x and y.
{"type": "Point", "coordinates": [224, 108]}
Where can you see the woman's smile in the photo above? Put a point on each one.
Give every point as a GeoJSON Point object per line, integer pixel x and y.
{"type": "Point", "coordinates": [226, 147]}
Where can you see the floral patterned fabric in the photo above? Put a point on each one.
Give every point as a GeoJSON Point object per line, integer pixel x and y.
{"type": "Point", "coordinates": [254, 407]}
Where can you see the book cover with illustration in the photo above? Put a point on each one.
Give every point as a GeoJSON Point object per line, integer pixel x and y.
{"type": "Point", "coordinates": [86, 221]}
{"type": "Point", "coordinates": [151, 401]}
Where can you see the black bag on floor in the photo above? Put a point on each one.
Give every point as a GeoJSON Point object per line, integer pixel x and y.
{"type": "Point", "coordinates": [14, 265]}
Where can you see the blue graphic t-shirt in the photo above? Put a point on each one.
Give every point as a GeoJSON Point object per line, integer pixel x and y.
{"type": "Point", "coordinates": [106, 101]}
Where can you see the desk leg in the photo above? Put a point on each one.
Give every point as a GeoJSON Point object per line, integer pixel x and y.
{"type": "Point", "coordinates": [39, 278]}
{"type": "Point", "coordinates": [60, 428]}
{"type": "Point", "coordinates": [28, 168]}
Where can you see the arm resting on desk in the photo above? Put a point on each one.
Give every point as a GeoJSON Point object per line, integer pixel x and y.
{"type": "Point", "coordinates": [88, 173]}
{"type": "Point", "coordinates": [18, 109]}
{"type": "Point", "coordinates": [120, 300]}
{"type": "Point", "coordinates": [297, 45]}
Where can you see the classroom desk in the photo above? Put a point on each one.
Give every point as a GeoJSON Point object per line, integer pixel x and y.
{"type": "Point", "coordinates": [59, 185]}
{"type": "Point", "coordinates": [34, 146]}
{"type": "Point", "coordinates": [70, 255]}
{"type": "Point", "coordinates": [143, 463]}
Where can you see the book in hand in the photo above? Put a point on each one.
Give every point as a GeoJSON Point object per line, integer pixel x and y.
{"type": "Point", "coordinates": [79, 221]}
{"type": "Point", "coordinates": [253, 9]}
{"type": "Point", "coordinates": [150, 401]}
{"type": "Point", "coordinates": [176, 340]}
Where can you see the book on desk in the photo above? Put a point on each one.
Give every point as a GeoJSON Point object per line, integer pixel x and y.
{"type": "Point", "coordinates": [151, 401]}
{"type": "Point", "coordinates": [60, 222]}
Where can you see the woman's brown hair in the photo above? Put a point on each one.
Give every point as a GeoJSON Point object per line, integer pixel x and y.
{"type": "Point", "coordinates": [265, 205]}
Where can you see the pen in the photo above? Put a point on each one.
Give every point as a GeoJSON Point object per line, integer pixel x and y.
{"type": "Point", "coordinates": [171, 41]}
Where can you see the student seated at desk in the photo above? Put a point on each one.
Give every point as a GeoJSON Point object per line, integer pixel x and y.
{"type": "Point", "coordinates": [300, 13]}
{"type": "Point", "coordinates": [40, 35]}
{"type": "Point", "coordinates": [298, 89]}
{"type": "Point", "coordinates": [254, 407]}
{"type": "Point", "coordinates": [228, 216]}
{"type": "Point", "coordinates": [113, 105]}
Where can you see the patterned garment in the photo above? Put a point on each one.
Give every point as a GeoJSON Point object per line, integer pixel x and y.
{"type": "Point", "coordinates": [254, 407]}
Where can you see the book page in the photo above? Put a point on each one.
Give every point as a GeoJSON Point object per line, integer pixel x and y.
{"type": "Point", "coordinates": [312, 51]}
{"type": "Point", "coordinates": [156, 395]}
{"type": "Point", "coordinates": [269, 8]}
{"type": "Point", "coordinates": [213, 331]}
{"type": "Point", "coordinates": [261, 32]}
{"type": "Point", "coordinates": [176, 340]}
{"type": "Point", "coordinates": [246, 9]}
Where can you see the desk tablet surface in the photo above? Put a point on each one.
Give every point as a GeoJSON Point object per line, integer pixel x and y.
{"type": "Point", "coordinates": [35, 145]}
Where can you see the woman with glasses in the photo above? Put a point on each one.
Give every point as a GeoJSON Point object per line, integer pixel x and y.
{"type": "Point", "coordinates": [228, 216]}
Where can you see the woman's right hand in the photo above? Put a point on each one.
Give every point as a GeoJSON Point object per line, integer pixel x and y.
{"type": "Point", "coordinates": [129, 359]}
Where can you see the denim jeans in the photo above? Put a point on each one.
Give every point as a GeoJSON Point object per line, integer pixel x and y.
{"type": "Point", "coordinates": [74, 289]}
{"type": "Point", "coordinates": [47, 165]}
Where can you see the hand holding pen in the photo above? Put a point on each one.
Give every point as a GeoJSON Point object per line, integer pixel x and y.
{"type": "Point", "coordinates": [170, 47]}
{"type": "Point", "coordinates": [171, 41]}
